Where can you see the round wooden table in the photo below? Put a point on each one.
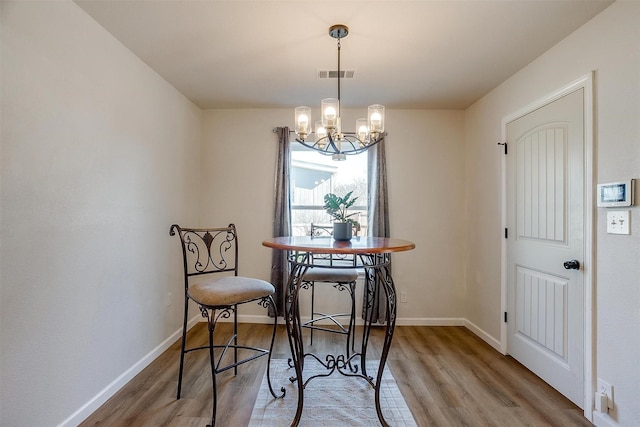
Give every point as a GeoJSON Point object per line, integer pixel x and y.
{"type": "Point", "coordinates": [374, 256]}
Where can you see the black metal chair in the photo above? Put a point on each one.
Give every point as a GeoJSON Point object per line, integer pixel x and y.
{"type": "Point", "coordinates": [210, 259]}
{"type": "Point", "coordinates": [339, 271]}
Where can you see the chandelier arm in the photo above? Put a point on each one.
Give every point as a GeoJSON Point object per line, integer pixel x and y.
{"type": "Point", "coordinates": [332, 143]}
{"type": "Point", "coordinates": [357, 145]}
{"type": "Point", "coordinates": [314, 146]}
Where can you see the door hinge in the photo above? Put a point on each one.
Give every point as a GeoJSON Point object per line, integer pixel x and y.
{"type": "Point", "coordinates": [506, 233]}
{"type": "Point", "coordinates": [505, 146]}
{"type": "Point", "coordinates": [505, 317]}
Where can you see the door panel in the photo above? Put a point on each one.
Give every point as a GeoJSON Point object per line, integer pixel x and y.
{"type": "Point", "coordinates": [545, 217]}
{"type": "Point", "coordinates": [541, 312]}
{"type": "Point", "coordinates": [541, 183]}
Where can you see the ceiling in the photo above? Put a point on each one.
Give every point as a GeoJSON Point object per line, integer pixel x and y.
{"type": "Point", "coordinates": [406, 54]}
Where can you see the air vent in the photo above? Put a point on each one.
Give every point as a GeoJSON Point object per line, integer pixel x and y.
{"type": "Point", "coordinates": [333, 74]}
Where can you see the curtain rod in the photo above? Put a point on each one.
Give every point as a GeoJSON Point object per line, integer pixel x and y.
{"type": "Point", "coordinates": [275, 130]}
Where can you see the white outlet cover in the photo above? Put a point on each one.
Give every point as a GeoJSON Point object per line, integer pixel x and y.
{"type": "Point", "coordinates": [606, 389]}
{"type": "Point", "coordinates": [618, 222]}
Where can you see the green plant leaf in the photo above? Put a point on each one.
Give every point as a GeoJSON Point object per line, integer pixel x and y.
{"type": "Point", "coordinates": [337, 207]}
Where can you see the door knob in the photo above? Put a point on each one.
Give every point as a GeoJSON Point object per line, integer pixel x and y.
{"type": "Point", "coordinates": [572, 265]}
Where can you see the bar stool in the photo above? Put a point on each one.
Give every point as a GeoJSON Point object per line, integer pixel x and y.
{"type": "Point", "coordinates": [328, 271]}
{"type": "Point", "coordinates": [211, 280]}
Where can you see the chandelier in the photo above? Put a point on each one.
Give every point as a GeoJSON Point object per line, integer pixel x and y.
{"type": "Point", "coordinates": [329, 138]}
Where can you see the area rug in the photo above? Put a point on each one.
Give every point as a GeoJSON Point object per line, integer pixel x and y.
{"type": "Point", "coordinates": [331, 401]}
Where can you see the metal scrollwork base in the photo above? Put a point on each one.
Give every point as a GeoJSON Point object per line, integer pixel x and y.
{"type": "Point", "coordinates": [378, 279]}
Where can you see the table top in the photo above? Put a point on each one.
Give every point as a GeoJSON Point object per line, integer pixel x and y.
{"type": "Point", "coordinates": [327, 245]}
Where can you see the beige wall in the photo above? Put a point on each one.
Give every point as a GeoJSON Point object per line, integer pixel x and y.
{"type": "Point", "coordinates": [610, 45]}
{"type": "Point", "coordinates": [99, 157]}
{"type": "Point", "coordinates": [426, 186]}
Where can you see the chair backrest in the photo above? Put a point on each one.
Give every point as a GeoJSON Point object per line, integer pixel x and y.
{"type": "Point", "coordinates": [324, 232]}
{"type": "Point", "coordinates": [327, 230]}
{"type": "Point", "coordinates": [208, 250]}
{"type": "Point", "coordinates": [321, 230]}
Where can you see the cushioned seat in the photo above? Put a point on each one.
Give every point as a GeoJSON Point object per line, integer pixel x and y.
{"type": "Point", "coordinates": [323, 274]}
{"type": "Point", "coordinates": [229, 290]}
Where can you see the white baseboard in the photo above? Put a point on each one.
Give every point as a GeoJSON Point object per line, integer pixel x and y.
{"type": "Point", "coordinates": [406, 321]}
{"type": "Point", "coordinates": [413, 321]}
{"type": "Point", "coordinates": [493, 342]}
{"type": "Point", "coordinates": [603, 420]}
{"type": "Point", "coordinates": [94, 403]}
{"type": "Point", "coordinates": [429, 321]}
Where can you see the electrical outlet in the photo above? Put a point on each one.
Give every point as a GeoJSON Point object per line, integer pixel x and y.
{"type": "Point", "coordinates": [169, 299]}
{"type": "Point", "coordinates": [403, 297]}
{"type": "Point", "coordinates": [601, 402]}
{"type": "Point", "coordinates": [606, 389]}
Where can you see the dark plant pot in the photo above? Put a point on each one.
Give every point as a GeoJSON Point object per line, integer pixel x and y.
{"type": "Point", "coordinates": [342, 231]}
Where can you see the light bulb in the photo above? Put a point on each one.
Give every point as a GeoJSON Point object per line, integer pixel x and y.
{"type": "Point", "coordinates": [362, 132]}
{"type": "Point", "coordinates": [303, 123]}
{"type": "Point", "coordinates": [330, 113]}
{"type": "Point", "coordinates": [376, 119]}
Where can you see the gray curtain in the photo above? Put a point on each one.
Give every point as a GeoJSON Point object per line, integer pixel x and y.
{"type": "Point", "coordinates": [281, 218]}
{"type": "Point", "coordinates": [378, 217]}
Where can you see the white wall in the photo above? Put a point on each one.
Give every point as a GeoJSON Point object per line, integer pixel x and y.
{"type": "Point", "coordinates": [99, 156]}
{"type": "Point", "coordinates": [610, 45]}
{"type": "Point", "coordinates": [426, 185]}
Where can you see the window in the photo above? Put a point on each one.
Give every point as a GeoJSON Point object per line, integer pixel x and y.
{"type": "Point", "coordinates": [313, 175]}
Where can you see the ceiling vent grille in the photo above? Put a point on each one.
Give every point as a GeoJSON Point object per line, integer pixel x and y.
{"type": "Point", "coordinates": [333, 74]}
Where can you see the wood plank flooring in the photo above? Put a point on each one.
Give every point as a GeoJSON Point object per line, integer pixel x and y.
{"type": "Point", "coordinates": [447, 375]}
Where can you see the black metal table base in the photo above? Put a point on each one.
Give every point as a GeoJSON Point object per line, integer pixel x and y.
{"type": "Point", "coordinates": [377, 279]}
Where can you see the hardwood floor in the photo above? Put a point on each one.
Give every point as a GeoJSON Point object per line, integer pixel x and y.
{"type": "Point", "coordinates": [447, 375]}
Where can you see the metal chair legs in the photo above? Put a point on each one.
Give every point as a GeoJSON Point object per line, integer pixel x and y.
{"type": "Point", "coordinates": [182, 347]}
{"type": "Point", "coordinates": [211, 327]}
{"type": "Point", "coordinates": [212, 317]}
{"type": "Point", "coordinates": [349, 330]}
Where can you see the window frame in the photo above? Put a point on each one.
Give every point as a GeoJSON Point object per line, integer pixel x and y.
{"type": "Point", "coordinates": [296, 227]}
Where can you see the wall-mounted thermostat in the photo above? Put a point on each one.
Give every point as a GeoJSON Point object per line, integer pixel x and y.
{"type": "Point", "coordinates": [615, 194]}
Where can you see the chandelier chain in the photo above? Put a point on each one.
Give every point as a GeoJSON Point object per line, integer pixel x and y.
{"type": "Point", "coordinates": [339, 46]}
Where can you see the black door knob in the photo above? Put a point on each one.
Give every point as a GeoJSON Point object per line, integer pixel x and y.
{"type": "Point", "coordinates": [572, 265]}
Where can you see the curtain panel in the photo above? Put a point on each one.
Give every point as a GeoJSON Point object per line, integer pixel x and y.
{"type": "Point", "coordinates": [378, 216]}
{"type": "Point", "coordinates": [281, 218]}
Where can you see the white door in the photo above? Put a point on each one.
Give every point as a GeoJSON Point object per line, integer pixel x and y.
{"type": "Point", "coordinates": [545, 219]}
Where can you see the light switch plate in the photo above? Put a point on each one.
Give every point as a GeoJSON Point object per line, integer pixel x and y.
{"type": "Point", "coordinates": [618, 222]}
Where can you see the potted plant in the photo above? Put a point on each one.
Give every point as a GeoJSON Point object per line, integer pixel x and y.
{"type": "Point", "coordinates": [337, 207]}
